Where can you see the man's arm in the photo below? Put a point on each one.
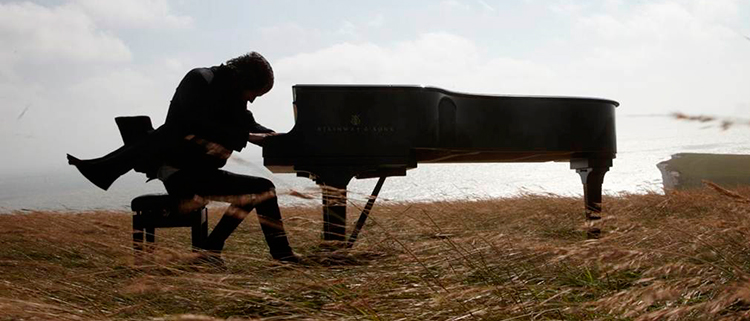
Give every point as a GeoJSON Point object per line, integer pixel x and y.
{"type": "Point", "coordinates": [259, 138]}
{"type": "Point", "coordinates": [253, 125]}
{"type": "Point", "coordinates": [212, 148]}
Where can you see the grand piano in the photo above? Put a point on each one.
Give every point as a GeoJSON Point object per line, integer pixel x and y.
{"type": "Point", "coordinates": [347, 131]}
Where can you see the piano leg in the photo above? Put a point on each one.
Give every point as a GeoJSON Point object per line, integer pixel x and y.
{"type": "Point", "coordinates": [592, 176]}
{"type": "Point", "coordinates": [334, 208]}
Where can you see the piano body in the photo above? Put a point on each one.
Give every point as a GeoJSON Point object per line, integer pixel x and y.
{"type": "Point", "coordinates": [346, 131]}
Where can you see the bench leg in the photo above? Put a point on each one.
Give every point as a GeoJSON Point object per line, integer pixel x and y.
{"type": "Point", "coordinates": [199, 228]}
{"type": "Point", "coordinates": [150, 239]}
{"type": "Point", "coordinates": [137, 239]}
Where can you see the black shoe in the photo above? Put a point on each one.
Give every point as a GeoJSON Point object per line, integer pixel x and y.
{"type": "Point", "coordinates": [100, 175]}
{"type": "Point", "coordinates": [209, 259]}
{"type": "Point", "coordinates": [286, 257]}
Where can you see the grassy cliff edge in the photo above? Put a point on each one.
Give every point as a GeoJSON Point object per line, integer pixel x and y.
{"type": "Point", "coordinates": [681, 256]}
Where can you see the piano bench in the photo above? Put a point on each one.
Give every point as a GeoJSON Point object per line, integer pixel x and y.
{"type": "Point", "coordinates": [153, 211]}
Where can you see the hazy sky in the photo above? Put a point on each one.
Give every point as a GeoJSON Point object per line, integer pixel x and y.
{"type": "Point", "coordinates": [67, 68]}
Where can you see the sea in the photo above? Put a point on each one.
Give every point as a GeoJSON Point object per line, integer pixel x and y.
{"type": "Point", "coordinates": [642, 140]}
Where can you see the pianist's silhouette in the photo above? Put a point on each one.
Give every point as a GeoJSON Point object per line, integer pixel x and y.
{"type": "Point", "coordinates": [206, 121]}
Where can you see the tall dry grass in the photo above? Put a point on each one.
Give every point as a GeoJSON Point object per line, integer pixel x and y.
{"type": "Point", "coordinates": [724, 123]}
{"type": "Point", "coordinates": [682, 256]}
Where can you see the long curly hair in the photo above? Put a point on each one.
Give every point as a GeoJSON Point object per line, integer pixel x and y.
{"type": "Point", "coordinates": [252, 71]}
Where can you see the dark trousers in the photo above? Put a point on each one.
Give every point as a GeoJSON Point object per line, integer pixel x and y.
{"type": "Point", "coordinates": [242, 192]}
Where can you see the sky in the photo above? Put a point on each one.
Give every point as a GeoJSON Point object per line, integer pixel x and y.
{"type": "Point", "coordinates": [67, 68]}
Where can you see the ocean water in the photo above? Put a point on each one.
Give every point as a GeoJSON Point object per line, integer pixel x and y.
{"type": "Point", "coordinates": [643, 141]}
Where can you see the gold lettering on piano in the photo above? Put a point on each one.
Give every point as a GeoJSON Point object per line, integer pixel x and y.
{"type": "Point", "coordinates": [356, 129]}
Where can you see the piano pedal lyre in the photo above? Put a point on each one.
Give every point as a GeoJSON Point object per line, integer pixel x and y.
{"type": "Point", "coordinates": [365, 213]}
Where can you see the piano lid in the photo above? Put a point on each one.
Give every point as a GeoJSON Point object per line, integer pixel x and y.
{"type": "Point", "coordinates": [368, 87]}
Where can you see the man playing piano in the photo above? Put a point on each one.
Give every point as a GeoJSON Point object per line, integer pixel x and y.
{"type": "Point", "coordinates": [209, 108]}
{"type": "Point", "coordinates": [206, 121]}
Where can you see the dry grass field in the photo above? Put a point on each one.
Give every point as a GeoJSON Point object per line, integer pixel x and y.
{"type": "Point", "coordinates": [683, 256]}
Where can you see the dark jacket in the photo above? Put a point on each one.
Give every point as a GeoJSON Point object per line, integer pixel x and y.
{"type": "Point", "coordinates": [206, 104]}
